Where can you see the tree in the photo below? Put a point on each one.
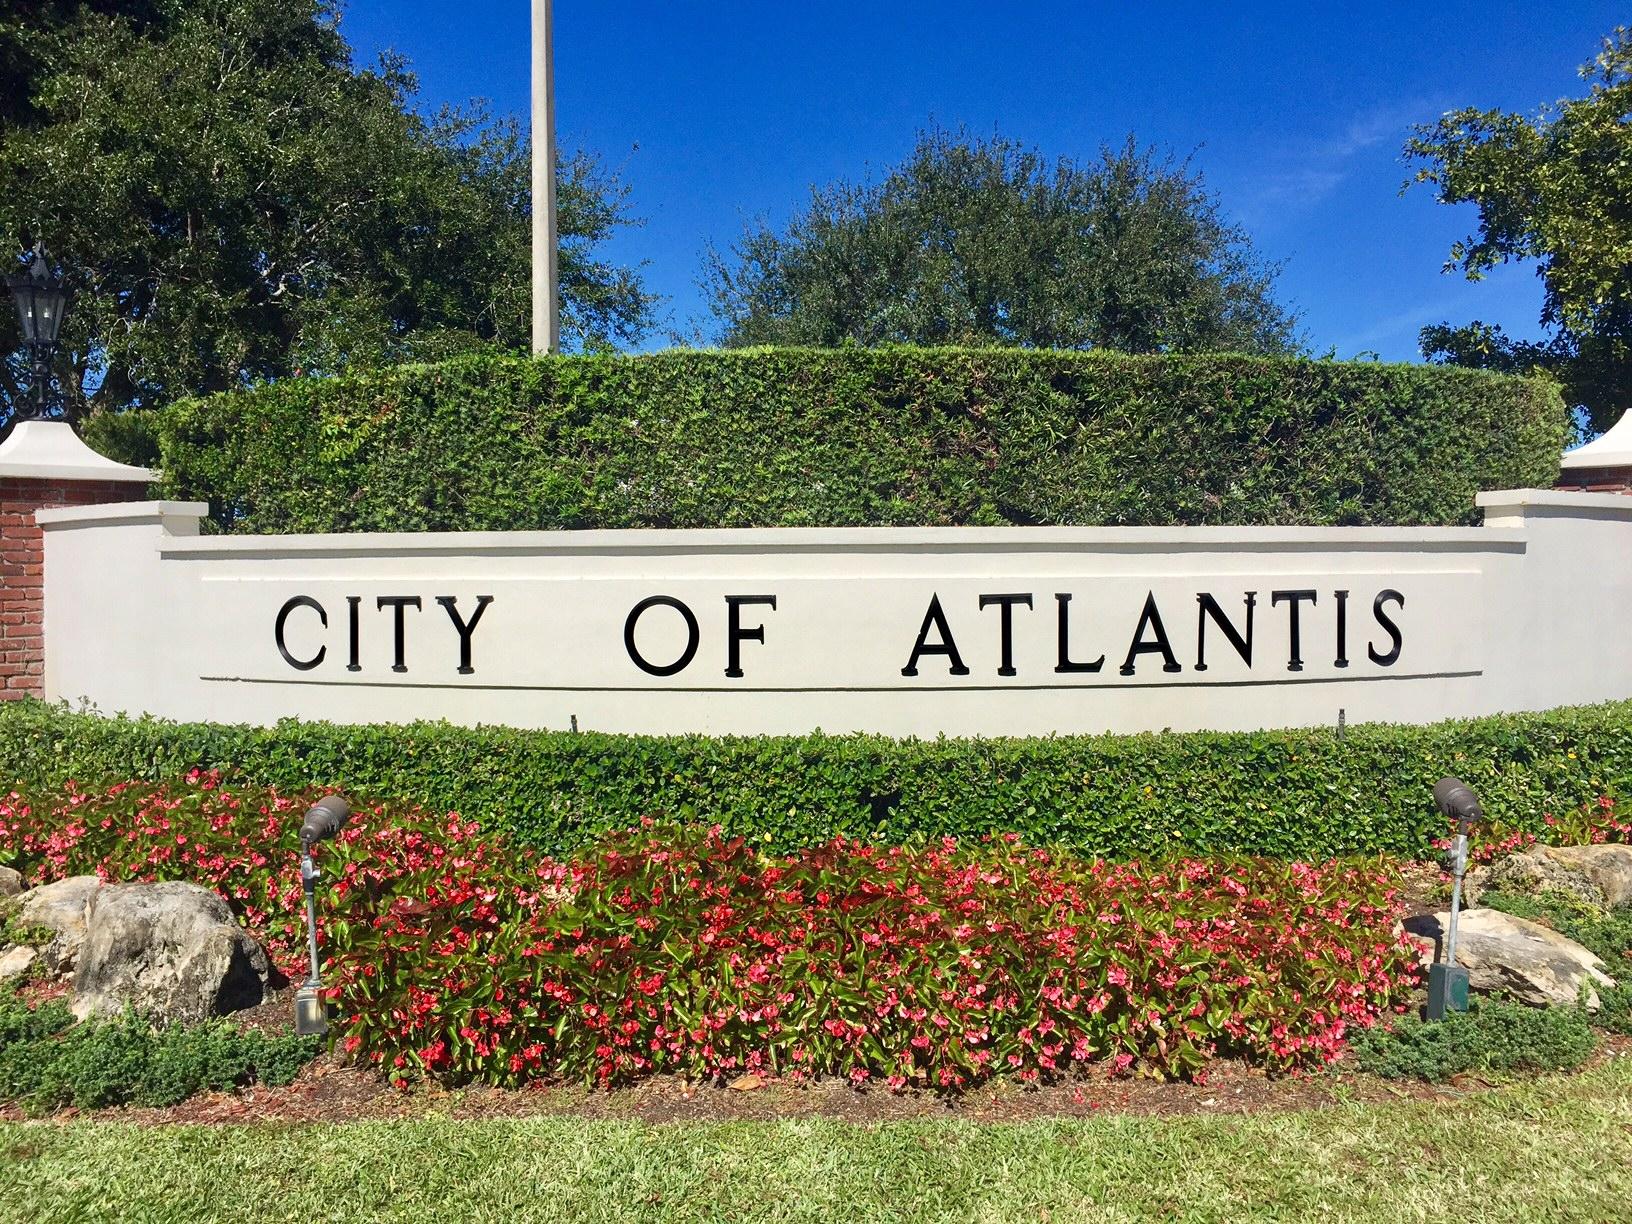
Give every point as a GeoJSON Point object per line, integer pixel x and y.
{"type": "Point", "coordinates": [236, 201]}
{"type": "Point", "coordinates": [1556, 189]}
{"type": "Point", "coordinates": [985, 242]}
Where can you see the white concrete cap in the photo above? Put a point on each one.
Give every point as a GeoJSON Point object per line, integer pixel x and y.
{"type": "Point", "coordinates": [51, 450]}
{"type": "Point", "coordinates": [1611, 449]}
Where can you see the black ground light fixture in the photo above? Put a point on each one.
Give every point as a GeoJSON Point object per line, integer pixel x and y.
{"type": "Point", "coordinates": [325, 819]}
{"type": "Point", "coordinates": [41, 297]}
{"type": "Point", "coordinates": [1447, 982]}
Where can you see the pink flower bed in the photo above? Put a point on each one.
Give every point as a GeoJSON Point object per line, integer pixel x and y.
{"type": "Point", "coordinates": [675, 949]}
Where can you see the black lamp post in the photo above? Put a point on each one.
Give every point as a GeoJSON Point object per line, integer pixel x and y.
{"type": "Point", "coordinates": [1448, 981]}
{"type": "Point", "coordinates": [41, 298]}
{"type": "Point", "coordinates": [324, 821]}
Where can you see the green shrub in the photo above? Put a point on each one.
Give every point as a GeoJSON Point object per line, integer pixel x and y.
{"type": "Point", "coordinates": [1493, 1035]}
{"type": "Point", "coordinates": [855, 437]}
{"type": "Point", "coordinates": [47, 1061]}
{"type": "Point", "coordinates": [1293, 794]}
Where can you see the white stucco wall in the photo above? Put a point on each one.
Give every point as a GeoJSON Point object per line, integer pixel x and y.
{"type": "Point", "coordinates": [1527, 612]}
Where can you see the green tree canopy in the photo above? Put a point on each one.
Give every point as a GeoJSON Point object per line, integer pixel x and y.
{"type": "Point", "coordinates": [1555, 188]}
{"type": "Point", "coordinates": [975, 241]}
{"type": "Point", "coordinates": [235, 200]}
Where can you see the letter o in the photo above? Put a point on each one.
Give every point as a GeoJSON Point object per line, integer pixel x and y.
{"type": "Point", "coordinates": [299, 601]}
{"type": "Point", "coordinates": [693, 634]}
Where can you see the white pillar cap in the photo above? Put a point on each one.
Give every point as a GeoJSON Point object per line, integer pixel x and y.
{"type": "Point", "coordinates": [1610, 449]}
{"type": "Point", "coordinates": [51, 450]}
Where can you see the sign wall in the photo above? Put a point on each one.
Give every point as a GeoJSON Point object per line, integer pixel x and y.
{"type": "Point", "coordinates": [957, 631]}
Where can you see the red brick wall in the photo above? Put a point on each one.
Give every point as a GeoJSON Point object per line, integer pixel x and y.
{"type": "Point", "coordinates": [22, 571]}
{"type": "Point", "coordinates": [1595, 480]}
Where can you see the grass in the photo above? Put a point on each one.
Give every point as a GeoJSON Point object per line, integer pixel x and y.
{"type": "Point", "coordinates": [1553, 1148]}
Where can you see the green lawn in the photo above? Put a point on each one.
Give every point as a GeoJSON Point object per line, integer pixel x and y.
{"type": "Point", "coordinates": [1549, 1149]}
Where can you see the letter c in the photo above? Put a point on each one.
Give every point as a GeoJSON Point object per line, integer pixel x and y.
{"type": "Point", "coordinates": [300, 601]}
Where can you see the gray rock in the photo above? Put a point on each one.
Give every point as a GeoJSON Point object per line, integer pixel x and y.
{"type": "Point", "coordinates": [11, 882]}
{"type": "Point", "coordinates": [17, 961]}
{"type": "Point", "coordinates": [1601, 876]}
{"type": "Point", "coordinates": [171, 951]}
{"type": "Point", "coordinates": [1508, 955]}
{"type": "Point", "coordinates": [59, 908]}
{"type": "Point", "coordinates": [1533, 872]}
{"type": "Point", "coordinates": [1608, 868]}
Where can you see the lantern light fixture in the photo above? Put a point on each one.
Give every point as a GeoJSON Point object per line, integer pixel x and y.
{"type": "Point", "coordinates": [41, 296]}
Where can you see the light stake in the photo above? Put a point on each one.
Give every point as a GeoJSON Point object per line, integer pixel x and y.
{"type": "Point", "coordinates": [326, 818]}
{"type": "Point", "coordinates": [1447, 981]}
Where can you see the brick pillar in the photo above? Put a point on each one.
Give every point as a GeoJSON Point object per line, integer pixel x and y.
{"type": "Point", "coordinates": [43, 464]}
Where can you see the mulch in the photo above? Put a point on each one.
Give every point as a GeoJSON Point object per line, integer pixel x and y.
{"type": "Point", "coordinates": [331, 1090]}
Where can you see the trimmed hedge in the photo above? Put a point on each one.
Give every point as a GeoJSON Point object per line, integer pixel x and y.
{"type": "Point", "coordinates": [852, 437]}
{"type": "Point", "coordinates": [1298, 793]}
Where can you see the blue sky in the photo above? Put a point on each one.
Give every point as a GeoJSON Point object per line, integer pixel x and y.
{"type": "Point", "coordinates": [719, 113]}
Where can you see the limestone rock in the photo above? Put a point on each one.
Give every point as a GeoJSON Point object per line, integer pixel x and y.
{"type": "Point", "coordinates": [1599, 875]}
{"type": "Point", "coordinates": [59, 908]}
{"type": "Point", "coordinates": [17, 961]}
{"type": "Point", "coordinates": [1508, 955]}
{"type": "Point", "coordinates": [11, 881]}
{"type": "Point", "coordinates": [1532, 872]}
{"type": "Point", "coordinates": [1608, 868]}
{"type": "Point", "coordinates": [171, 951]}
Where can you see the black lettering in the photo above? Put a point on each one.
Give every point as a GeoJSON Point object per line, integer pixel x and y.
{"type": "Point", "coordinates": [1342, 598]}
{"type": "Point", "coordinates": [1293, 599]}
{"type": "Point", "coordinates": [1006, 623]}
{"type": "Point", "coordinates": [935, 619]}
{"type": "Point", "coordinates": [1241, 642]}
{"type": "Point", "coordinates": [1387, 622]}
{"type": "Point", "coordinates": [354, 634]}
{"type": "Point", "coordinates": [299, 601]}
{"type": "Point", "coordinates": [463, 627]}
{"type": "Point", "coordinates": [1065, 664]}
{"type": "Point", "coordinates": [692, 635]}
{"type": "Point", "coordinates": [397, 603]}
{"type": "Point", "coordinates": [736, 635]}
{"type": "Point", "coordinates": [1150, 618]}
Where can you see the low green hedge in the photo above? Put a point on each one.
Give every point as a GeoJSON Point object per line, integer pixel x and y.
{"type": "Point", "coordinates": [1303, 793]}
{"type": "Point", "coordinates": [853, 437]}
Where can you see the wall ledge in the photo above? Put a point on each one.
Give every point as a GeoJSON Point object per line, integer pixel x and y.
{"type": "Point", "coordinates": [1511, 507]}
{"type": "Point", "coordinates": [176, 517]}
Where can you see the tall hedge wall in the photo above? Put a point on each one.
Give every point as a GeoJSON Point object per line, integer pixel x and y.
{"type": "Point", "coordinates": [792, 437]}
{"type": "Point", "coordinates": [1292, 793]}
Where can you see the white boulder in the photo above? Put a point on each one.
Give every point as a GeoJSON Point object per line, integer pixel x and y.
{"type": "Point", "coordinates": [1512, 956]}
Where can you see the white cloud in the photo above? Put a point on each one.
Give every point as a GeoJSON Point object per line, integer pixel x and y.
{"type": "Point", "coordinates": [1410, 321]}
{"type": "Point", "coordinates": [1299, 173]}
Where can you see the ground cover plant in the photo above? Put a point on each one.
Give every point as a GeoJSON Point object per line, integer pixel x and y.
{"type": "Point", "coordinates": [48, 1061]}
{"type": "Point", "coordinates": [1308, 793]}
{"type": "Point", "coordinates": [457, 952]}
{"type": "Point", "coordinates": [1493, 1035]}
{"type": "Point", "coordinates": [855, 437]}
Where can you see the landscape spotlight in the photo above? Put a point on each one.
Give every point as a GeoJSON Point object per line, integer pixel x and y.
{"type": "Point", "coordinates": [1447, 982]}
{"type": "Point", "coordinates": [41, 296]}
{"type": "Point", "coordinates": [325, 819]}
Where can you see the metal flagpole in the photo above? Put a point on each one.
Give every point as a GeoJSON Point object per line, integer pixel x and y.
{"type": "Point", "coordinates": [546, 286]}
